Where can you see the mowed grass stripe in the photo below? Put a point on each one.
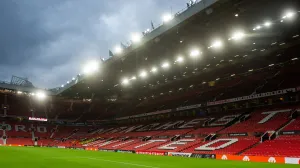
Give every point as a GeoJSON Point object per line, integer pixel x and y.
{"type": "Point", "coordinates": [25, 157]}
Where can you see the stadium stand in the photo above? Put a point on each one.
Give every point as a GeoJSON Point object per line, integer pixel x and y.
{"type": "Point", "coordinates": [231, 145]}
{"type": "Point", "coordinates": [19, 141]}
{"type": "Point", "coordinates": [242, 100]}
{"type": "Point", "coordinates": [261, 121]}
{"type": "Point", "coordinates": [281, 146]}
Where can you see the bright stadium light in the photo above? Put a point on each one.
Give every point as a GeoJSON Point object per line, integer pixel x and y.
{"type": "Point", "coordinates": [147, 30]}
{"type": "Point", "coordinates": [267, 24]}
{"type": "Point", "coordinates": [167, 17]}
{"type": "Point", "coordinates": [62, 86]}
{"type": "Point", "coordinates": [91, 67]}
{"type": "Point", "coordinates": [73, 78]}
{"type": "Point", "coordinates": [19, 92]}
{"type": "Point", "coordinates": [153, 69]}
{"type": "Point", "coordinates": [179, 59]}
{"type": "Point", "coordinates": [288, 15]}
{"type": "Point", "coordinates": [41, 96]}
{"type": "Point", "coordinates": [133, 78]}
{"type": "Point", "coordinates": [195, 53]}
{"type": "Point", "coordinates": [216, 44]}
{"type": "Point", "coordinates": [68, 82]}
{"type": "Point", "coordinates": [237, 36]}
{"type": "Point", "coordinates": [165, 65]}
{"type": "Point", "coordinates": [125, 81]}
{"type": "Point", "coordinates": [118, 50]}
{"type": "Point", "coordinates": [143, 74]}
{"type": "Point", "coordinates": [257, 27]}
{"type": "Point", "coordinates": [136, 37]}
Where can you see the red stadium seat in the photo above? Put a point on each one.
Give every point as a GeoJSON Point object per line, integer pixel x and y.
{"type": "Point", "coordinates": [286, 146]}
{"type": "Point", "coordinates": [19, 141]}
{"type": "Point", "coordinates": [261, 121]}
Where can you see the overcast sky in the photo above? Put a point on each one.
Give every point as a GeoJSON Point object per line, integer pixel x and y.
{"type": "Point", "coordinates": [48, 40]}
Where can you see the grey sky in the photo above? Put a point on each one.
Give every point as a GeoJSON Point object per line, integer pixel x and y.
{"type": "Point", "coordinates": [48, 40]}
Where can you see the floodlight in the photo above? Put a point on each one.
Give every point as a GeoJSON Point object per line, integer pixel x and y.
{"type": "Point", "coordinates": [133, 78]}
{"type": "Point", "coordinates": [40, 95]}
{"type": "Point", "coordinates": [62, 86]}
{"type": "Point", "coordinates": [294, 59]}
{"type": "Point", "coordinates": [118, 50]}
{"type": "Point", "coordinates": [143, 74]}
{"type": "Point", "coordinates": [288, 15]}
{"type": "Point", "coordinates": [258, 27]}
{"type": "Point", "coordinates": [19, 92]}
{"type": "Point", "coordinates": [236, 15]}
{"type": "Point", "coordinates": [237, 35]}
{"type": "Point", "coordinates": [268, 24]}
{"type": "Point", "coordinates": [68, 82]}
{"type": "Point", "coordinates": [125, 81]}
{"type": "Point", "coordinates": [73, 78]}
{"type": "Point", "coordinates": [217, 44]}
{"type": "Point", "coordinates": [91, 67]}
{"type": "Point", "coordinates": [194, 53]}
{"type": "Point", "coordinates": [167, 17]}
{"type": "Point", "coordinates": [179, 59]}
{"type": "Point", "coordinates": [136, 37]}
{"type": "Point", "coordinates": [153, 69]}
{"type": "Point", "coordinates": [165, 65]}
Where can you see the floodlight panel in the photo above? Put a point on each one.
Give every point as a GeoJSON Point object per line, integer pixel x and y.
{"type": "Point", "coordinates": [153, 69]}
{"type": "Point", "coordinates": [165, 65]}
{"type": "Point", "coordinates": [167, 17]}
{"type": "Point", "coordinates": [118, 50]}
{"type": "Point", "coordinates": [143, 74]}
{"type": "Point", "coordinates": [40, 95]}
{"type": "Point", "coordinates": [136, 37]}
{"type": "Point", "coordinates": [125, 81]}
{"type": "Point", "coordinates": [180, 59]}
{"type": "Point", "coordinates": [91, 67]}
{"type": "Point", "coordinates": [195, 53]}
{"type": "Point", "coordinates": [238, 35]}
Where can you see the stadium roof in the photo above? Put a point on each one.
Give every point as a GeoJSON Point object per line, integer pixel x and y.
{"type": "Point", "coordinates": [196, 50]}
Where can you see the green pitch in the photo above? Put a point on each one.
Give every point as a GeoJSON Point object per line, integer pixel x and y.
{"type": "Point", "coordinates": [26, 157]}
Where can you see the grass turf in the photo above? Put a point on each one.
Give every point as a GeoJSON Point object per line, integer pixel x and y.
{"type": "Point", "coordinates": [23, 157]}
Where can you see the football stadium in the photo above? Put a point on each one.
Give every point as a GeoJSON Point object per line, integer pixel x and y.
{"type": "Point", "coordinates": [215, 85]}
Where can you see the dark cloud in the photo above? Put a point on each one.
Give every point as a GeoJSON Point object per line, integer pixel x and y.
{"type": "Point", "coordinates": [47, 41]}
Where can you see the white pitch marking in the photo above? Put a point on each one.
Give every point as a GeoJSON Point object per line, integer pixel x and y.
{"type": "Point", "coordinates": [125, 163]}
